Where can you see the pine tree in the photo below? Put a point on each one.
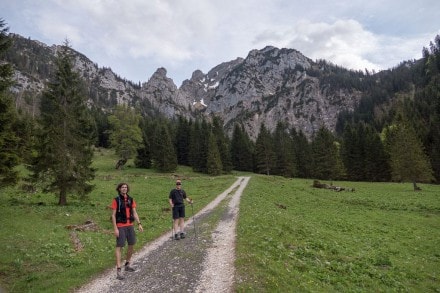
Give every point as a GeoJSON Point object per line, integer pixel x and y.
{"type": "Point", "coordinates": [264, 153]}
{"type": "Point", "coordinates": [125, 134]}
{"type": "Point", "coordinates": [9, 157]}
{"type": "Point", "coordinates": [214, 163]}
{"type": "Point", "coordinates": [65, 147]}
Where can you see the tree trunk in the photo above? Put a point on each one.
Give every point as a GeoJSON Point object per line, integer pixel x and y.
{"type": "Point", "coordinates": [416, 188]}
{"type": "Point", "coordinates": [62, 201]}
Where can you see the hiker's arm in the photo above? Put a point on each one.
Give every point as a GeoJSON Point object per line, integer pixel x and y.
{"type": "Point", "coordinates": [115, 228]}
{"type": "Point", "coordinates": [136, 217]}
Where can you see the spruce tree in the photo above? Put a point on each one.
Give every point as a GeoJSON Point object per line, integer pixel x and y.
{"type": "Point", "coordinates": [125, 133]}
{"type": "Point", "coordinates": [327, 163]}
{"type": "Point", "coordinates": [242, 150]}
{"type": "Point", "coordinates": [283, 149]}
{"type": "Point", "coordinates": [9, 157]}
{"type": "Point", "coordinates": [214, 163]}
{"type": "Point", "coordinates": [183, 141]}
{"type": "Point", "coordinates": [144, 156]}
{"type": "Point", "coordinates": [407, 157]}
{"type": "Point", "coordinates": [222, 144]}
{"type": "Point", "coordinates": [64, 149]}
{"type": "Point", "coordinates": [303, 154]}
{"type": "Point", "coordinates": [164, 155]}
{"type": "Point", "coordinates": [264, 153]}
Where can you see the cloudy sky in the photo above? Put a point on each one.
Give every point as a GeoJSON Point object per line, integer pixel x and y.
{"type": "Point", "coordinates": [135, 37]}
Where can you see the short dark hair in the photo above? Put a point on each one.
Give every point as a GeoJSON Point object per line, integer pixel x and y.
{"type": "Point", "coordinates": [120, 185]}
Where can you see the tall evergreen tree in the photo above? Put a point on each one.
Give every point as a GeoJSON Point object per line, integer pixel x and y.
{"type": "Point", "coordinates": [183, 141]}
{"type": "Point", "coordinates": [125, 133]}
{"type": "Point", "coordinates": [264, 153]}
{"type": "Point", "coordinates": [242, 150]}
{"type": "Point", "coordinates": [214, 164]}
{"type": "Point", "coordinates": [64, 150]}
{"type": "Point", "coordinates": [222, 144]}
{"type": "Point", "coordinates": [303, 154]}
{"type": "Point", "coordinates": [408, 160]}
{"type": "Point", "coordinates": [164, 155]}
{"type": "Point", "coordinates": [327, 163]}
{"type": "Point", "coordinates": [353, 151]}
{"type": "Point", "coordinates": [377, 166]}
{"type": "Point", "coordinates": [144, 153]}
{"type": "Point", "coordinates": [9, 157]}
{"type": "Point", "coordinates": [283, 151]}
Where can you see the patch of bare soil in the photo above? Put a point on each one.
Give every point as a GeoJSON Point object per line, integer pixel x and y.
{"type": "Point", "coordinates": [202, 262]}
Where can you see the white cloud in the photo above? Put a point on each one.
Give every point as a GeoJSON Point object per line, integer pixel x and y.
{"type": "Point", "coordinates": [136, 37]}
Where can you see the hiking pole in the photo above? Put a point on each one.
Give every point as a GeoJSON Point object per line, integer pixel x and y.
{"type": "Point", "coordinates": [194, 220]}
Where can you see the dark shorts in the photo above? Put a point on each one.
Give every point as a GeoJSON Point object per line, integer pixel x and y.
{"type": "Point", "coordinates": [179, 211]}
{"type": "Point", "coordinates": [126, 234]}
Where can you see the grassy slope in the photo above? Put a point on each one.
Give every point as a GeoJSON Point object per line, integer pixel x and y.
{"type": "Point", "coordinates": [37, 251]}
{"type": "Point", "coordinates": [382, 237]}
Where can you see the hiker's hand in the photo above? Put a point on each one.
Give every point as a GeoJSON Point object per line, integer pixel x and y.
{"type": "Point", "coordinates": [140, 228]}
{"type": "Point", "coordinates": [116, 232]}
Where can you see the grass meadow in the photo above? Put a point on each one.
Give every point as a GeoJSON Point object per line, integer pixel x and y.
{"type": "Point", "coordinates": [383, 237]}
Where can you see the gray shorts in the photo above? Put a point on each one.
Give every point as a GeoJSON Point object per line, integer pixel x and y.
{"type": "Point", "coordinates": [126, 233]}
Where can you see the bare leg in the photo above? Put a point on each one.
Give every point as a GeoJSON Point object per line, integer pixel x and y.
{"type": "Point", "coordinates": [182, 224]}
{"type": "Point", "coordinates": [118, 256]}
{"type": "Point", "coordinates": [129, 253]}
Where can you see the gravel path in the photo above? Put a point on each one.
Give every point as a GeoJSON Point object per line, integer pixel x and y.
{"type": "Point", "coordinates": [202, 262]}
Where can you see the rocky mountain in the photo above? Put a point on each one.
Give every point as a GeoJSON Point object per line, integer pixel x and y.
{"type": "Point", "coordinates": [268, 86]}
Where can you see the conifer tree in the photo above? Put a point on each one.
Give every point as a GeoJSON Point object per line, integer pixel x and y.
{"type": "Point", "coordinates": [183, 141]}
{"type": "Point", "coordinates": [125, 133]}
{"type": "Point", "coordinates": [377, 166]}
{"type": "Point", "coordinates": [9, 157]}
{"type": "Point", "coordinates": [222, 144]}
{"type": "Point", "coordinates": [214, 163]}
{"type": "Point", "coordinates": [264, 153]}
{"type": "Point", "coordinates": [327, 163]}
{"type": "Point", "coordinates": [407, 158]}
{"type": "Point", "coordinates": [64, 149]}
{"type": "Point", "coordinates": [144, 155]}
{"type": "Point", "coordinates": [303, 154]}
{"type": "Point", "coordinates": [164, 155]}
{"type": "Point", "coordinates": [283, 149]}
{"type": "Point", "coordinates": [241, 150]}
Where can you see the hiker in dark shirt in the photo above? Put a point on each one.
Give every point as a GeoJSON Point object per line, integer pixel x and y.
{"type": "Point", "coordinates": [176, 199]}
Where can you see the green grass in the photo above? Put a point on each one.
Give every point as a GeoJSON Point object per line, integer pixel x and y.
{"type": "Point", "coordinates": [383, 237]}
{"type": "Point", "coordinates": [291, 237]}
{"type": "Point", "coordinates": [37, 250]}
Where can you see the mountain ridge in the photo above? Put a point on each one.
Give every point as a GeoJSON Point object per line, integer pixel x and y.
{"type": "Point", "coordinates": [267, 86]}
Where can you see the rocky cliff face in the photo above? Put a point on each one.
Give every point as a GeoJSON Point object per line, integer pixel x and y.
{"type": "Point", "coordinates": [268, 86]}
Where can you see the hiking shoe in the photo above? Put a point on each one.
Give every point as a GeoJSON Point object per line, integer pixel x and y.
{"type": "Point", "coordinates": [119, 275]}
{"type": "Point", "coordinates": [176, 236]}
{"type": "Point", "coordinates": [129, 269]}
{"type": "Point", "coordinates": [182, 235]}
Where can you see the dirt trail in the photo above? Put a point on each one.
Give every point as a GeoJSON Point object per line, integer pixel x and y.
{"type": "Point", "coordinates": [202, 262]}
